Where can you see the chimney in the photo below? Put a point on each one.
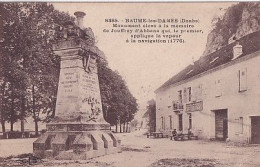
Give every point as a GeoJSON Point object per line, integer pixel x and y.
{"type": "Point", "coordinates": [193, 61]}
{"type": "Point", "coordinates": [80, 15]}
{"type": "Point", "coordinates": [237, 51]}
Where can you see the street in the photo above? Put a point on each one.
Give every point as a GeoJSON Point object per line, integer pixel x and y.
{"type": "Point", "coordinates": [139, 151]}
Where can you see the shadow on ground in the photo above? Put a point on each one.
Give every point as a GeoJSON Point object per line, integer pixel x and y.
{"type": "Point", "coordinates": [134, 149]}
{"type": "Point", "coordinates": [182, 162]}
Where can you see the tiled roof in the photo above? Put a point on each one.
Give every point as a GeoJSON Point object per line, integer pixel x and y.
{"type": "Point", "coordinates": [250, 43]}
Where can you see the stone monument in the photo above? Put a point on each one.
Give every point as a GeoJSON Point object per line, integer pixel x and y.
{"type": "Point", "coordinates": [78, 130]}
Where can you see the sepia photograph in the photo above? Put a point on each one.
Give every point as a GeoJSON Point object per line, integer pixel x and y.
{"type": "Point", "coordinates": [130, 84]}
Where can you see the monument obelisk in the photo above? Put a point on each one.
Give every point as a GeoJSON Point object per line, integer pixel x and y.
{"type": "Point", "coordinates": [78, 130]}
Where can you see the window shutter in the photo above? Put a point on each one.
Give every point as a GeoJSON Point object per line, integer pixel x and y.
{"type": "Point", "coordinates": [185, 95]}
{"type": "Point", "coordinates": [243, 80]}
{"type": "Point", "coordinates": [199, 92]}
{"type": "Point", "coordinates": [218, 88]}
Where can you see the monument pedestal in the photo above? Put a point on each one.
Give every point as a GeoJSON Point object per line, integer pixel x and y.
{"type": "Point", "coordinates": [75, 144]}
{"type": "Point", "coordinates": [78, 130]}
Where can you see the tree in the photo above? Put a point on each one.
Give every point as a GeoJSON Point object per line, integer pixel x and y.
{"type": "Point", "coordinates": [119, 105]}
{"type": "Point", "coordinates": [30, 69]}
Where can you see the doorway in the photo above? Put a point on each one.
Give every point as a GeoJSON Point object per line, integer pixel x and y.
{"type": "Point", "coordinates": [180, 122]}
{"type": "Point", "coordinates": [255, 130]}
{"type": "Point", "coordinates": [221, 124]}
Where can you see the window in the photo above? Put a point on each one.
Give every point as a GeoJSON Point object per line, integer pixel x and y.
{"type": "Point", "coordinates": [163, 123]}
{"type": "Point", "coordinates": [189, 94]}
{"type": "Point", "coordinates": [180, 96]}
{"type": "Point", "coordinates": [170, 117]}
{"type": "Point", "coordinates": [184, 96]}
{"type": "Point", "coordinates": [218, 88]}
{"type": "Point", "coordinates": [189, 72]}
{"type": "Point", "coordinates": [190, 121]}
{"type": "Point", "coordinates": [241, 123]}
{"type": "Point", "coordinates": [197, 93]}
{"type": "Point", "coordinates": [242, 75]}
{"type": "Point", "coordinates": [212, 61]}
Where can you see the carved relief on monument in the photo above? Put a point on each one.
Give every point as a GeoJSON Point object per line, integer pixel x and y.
{"type": "Point", "coordinates": [90, 98]}
{"type": "Point", "coordinates": [93, 106]}
{"type": "Point", "coordinates": [90, 64]}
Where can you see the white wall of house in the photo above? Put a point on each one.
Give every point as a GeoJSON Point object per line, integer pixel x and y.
{"type": "Point", "coordinates": [217, 95]}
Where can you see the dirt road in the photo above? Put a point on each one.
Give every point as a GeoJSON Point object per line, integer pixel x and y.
{"type": "Point", "coordinates": [139, 151]}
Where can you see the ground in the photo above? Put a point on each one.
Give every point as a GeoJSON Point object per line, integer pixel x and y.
{"type": "Point", "coordinates": [141, 151]}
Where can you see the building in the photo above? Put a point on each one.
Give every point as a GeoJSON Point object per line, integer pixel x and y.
{"type": "Point", "coordinates": [218, 96]}
{"type": "Point", "coordinates": [149, 117]}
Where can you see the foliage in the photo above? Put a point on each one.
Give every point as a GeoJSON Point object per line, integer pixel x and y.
{"type": "Point", "coordinates": [29, 69]}
{"type": "Point", "coordinates": [227, 25]}
{"type": "Point", "coordinates": [236, 21]}
{"type": "Point", "coordinates": [117, 101]}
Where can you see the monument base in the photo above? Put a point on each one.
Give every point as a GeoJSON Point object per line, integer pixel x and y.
{"type": "Point", "coordinates": [71, 145]}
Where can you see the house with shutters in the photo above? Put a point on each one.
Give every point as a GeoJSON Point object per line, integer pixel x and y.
{"type": "Point", "coordinates": [218, 96]}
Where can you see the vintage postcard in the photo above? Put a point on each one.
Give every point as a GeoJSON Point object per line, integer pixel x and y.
{"type": "Point", "coordinates": [134, 84]}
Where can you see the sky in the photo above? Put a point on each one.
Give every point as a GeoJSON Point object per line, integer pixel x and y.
{"type": "Point", "coordinates": [145, 67]}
